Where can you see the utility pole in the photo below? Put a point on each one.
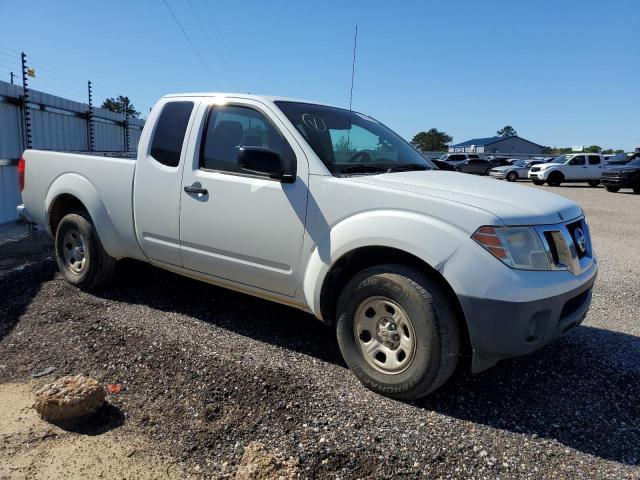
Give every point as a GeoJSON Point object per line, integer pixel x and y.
{"type": "Point", "coordinates": [92, 138]}
{"type": "Point", "coordinates": [26, 113]}
{"type": "Point", "coordinates": [11, 75]}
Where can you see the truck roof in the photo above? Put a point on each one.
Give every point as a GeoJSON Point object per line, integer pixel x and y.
{"type": "Point", "coordinates": [250, 96]}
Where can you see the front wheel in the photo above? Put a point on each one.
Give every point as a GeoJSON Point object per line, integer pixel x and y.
{"type": "Point", "coordinates": [611, 189]}
{"type": "Point", "coordinates": [512, 176]}
{"type": "Point", "coordinates": [82, 260]}
{"type": "Point", "coordinates": [555, 179]}
{"type": "Point", "coordinates": [594, 183]}
{"type": "Point", "coordinates": [397, 331]}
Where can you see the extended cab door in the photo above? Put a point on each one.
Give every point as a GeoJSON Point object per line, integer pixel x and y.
{"type": "Point", "coordinates": [157, 183]}
{"type": "Point", "coordinates": [242, 226]}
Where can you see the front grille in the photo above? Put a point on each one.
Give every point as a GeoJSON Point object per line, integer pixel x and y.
{"type": "Point", "coordinates": [563, 244]}
{"type": "Point", "coordinates": [535, 169]}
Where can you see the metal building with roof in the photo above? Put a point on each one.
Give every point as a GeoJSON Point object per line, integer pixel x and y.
{"type": "Point", "coordinates": [506, 145]}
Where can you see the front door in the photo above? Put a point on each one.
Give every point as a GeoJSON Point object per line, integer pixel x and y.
{"type": "Point", "coordinates": [245, 228]}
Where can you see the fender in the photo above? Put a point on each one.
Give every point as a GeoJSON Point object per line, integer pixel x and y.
{"type": "Point", "coordinates": [80, 187]}
{"type": "Point", "coordinates": [427, 238]}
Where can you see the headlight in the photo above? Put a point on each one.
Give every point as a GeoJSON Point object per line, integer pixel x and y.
{"type": "Point", "coordinates": [517, 247]}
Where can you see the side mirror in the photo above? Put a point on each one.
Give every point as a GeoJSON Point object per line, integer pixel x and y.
{"type": "Point", "coordinates": [263, 161]}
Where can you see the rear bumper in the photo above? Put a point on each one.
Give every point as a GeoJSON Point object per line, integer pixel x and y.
{"type": "Point", "coordinates": [24, 214]}
{"type": "Point", "coordinates": [504, 329]}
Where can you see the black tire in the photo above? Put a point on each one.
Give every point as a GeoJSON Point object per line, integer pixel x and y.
{"type": "Point", "coordinates": [555, 179]}
{"type": "Point", "coordinates": [537, 182]}
{"type": "Point", "coordinates": [434, 323]}
{"type": "Point", "coordinates": [458, 170]}
{"type": "Point", "coordinates": [594, 183]}
{"type": "Point", "coordinates": [487, 171]}
{"type": "Point", "coordinates": [512, 176]}
{"type": "Point", "coordinates": [636, 189]}
{"type": "Point", "coordinates": [611, 189]}
{"type": "Point", "coordinates": [93, 267]}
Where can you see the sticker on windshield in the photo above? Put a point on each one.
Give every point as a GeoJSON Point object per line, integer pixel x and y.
{"type": "Point", "coordinates": [314, 123]}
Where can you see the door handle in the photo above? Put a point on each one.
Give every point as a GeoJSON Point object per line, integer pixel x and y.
{"type": "Point", "coordinates": [196, 190]}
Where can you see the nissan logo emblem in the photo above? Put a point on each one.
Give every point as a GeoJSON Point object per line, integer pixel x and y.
{"type": "Point", "coordinates": [581, 240]}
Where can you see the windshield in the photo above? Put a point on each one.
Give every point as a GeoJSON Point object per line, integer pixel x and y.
{"type": "Point", "coordinates": [350, 142]}
{"type": "Point", "coordinates": [562, 159]}
{"type": "Point", "coordinates": [519, 163]}
{"type": "Point", "coordinates": [634, 163]}
{"type": "Point", "coordinates": [619, 159]}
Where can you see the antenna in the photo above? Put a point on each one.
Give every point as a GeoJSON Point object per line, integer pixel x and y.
{"type": "Point", "coordinates": [353, 73]}
{"type": "Point", "coordinates": [353, 70]}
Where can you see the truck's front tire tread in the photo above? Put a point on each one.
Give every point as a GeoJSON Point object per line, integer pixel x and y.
{"type": "Point", "coordinates": [100, 267]}
{"type": "Point", "coordinates": [431, 312]}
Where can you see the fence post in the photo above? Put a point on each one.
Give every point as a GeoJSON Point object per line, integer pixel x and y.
{"type": "Point", "coordinates": [126, 125]}
{"type": "Point", "coordinates": [92, 138]}
{"type": "Point", "coordinates": [26, 114]}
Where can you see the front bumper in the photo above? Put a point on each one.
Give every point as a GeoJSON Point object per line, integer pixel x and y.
{"type": "Point", "coordinates": [539, 175]}
{"type": "Point", "coordinates": [621, 181]}
{"type": "Point", "coordinates": [504, 329]}
{"type": "Point", "coordinates": [498, 175]}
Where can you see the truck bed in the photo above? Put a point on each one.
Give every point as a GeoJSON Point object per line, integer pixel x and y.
{"type": "Point", "coordinates": [105, 182]}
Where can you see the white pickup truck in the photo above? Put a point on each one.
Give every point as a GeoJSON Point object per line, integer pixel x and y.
{"type": "Point", "coordinates": [577, 167]}
{"type": "Point", "coordinates": [329, 211]}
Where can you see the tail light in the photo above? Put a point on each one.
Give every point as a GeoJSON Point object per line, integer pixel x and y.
{"type": "Point", "coordinates": [21, 166]}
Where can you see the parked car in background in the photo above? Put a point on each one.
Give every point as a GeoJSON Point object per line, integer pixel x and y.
{"type": "Point", "coordinates": [478, 166]}
{"type": "Point", "coordinates": [621, 158]}
{"type": "Point", "coordinates": [457, 157]}
{"type": "Point", "coordinates": [616, 177]}
{"type": "Point", "coordinates": [577, 167]}
{"type": "Point", "coordinates": [515, 170]}
{"type": "Point", "coordinates": [442, 165]}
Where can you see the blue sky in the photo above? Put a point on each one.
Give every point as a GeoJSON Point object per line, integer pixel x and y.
{"type": "Point", "coordinates": [561, 72]}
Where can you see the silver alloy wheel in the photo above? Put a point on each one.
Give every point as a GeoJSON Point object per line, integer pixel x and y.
{"type": "Point", "coordinates": [73, 251]}
{"type": "Point", "coordinates": [384, 333]}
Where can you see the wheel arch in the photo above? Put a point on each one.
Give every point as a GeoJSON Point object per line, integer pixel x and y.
{"type": "Point", "coordinates": [361, 258]}
{"type": "Point", "coordinates": [73, 192]}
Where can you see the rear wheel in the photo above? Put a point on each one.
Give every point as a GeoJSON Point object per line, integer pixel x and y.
{"type": "Point", "coordinates": [487, 171]}
{"type": "Point", "coordinates": [82, 260]}
{"type": "Point", "coordinates": [555, 179]}
{"type": "Point", "coordinates": [397, 331]}
{"type": "Point", "coordinates": [512, 176]}
{"type": "Point", "coordinates": [594, 183]}
{"type": "Point", "coordinates": [612, 189]}
{"type": "Point", "coordinates": [636, 189]}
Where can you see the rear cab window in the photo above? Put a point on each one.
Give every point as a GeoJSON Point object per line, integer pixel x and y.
{"type": "Point", "coordinates": [168, 136]}
{"type": "Point", "coordinates": [594, 159]}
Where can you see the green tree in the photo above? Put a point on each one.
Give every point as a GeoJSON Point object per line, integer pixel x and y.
{"type": "Point", "coordinates": [507, 131]}
{"type": "Point", "coordinates": [431, 141]}
{"type": "Point", "coordinates": [619, 151]}
{"type": "Point", "coordinates": [593, 149]}
{"type": "Point", "coordinates": [120, 105]}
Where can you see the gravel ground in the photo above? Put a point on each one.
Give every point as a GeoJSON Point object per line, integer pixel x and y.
{"type": "Point", "coordinates": [208, 371]}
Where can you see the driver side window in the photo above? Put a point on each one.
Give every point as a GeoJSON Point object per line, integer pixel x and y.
{"type": "Point", "coordinates": [579, 160]}
{"type": "Point", "coordinates": [230, 127]}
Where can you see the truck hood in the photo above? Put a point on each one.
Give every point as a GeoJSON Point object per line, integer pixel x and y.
{"type": "Point", "coordinates": [513, 204]}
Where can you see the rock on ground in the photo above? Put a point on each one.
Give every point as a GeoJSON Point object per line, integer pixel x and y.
{"type": "Point", "coordinates": [69, 397]}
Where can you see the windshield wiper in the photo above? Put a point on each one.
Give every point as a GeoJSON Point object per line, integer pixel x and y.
{"type": "Point", "coordinates": [408, 167]}
{"type": "Point", "coordinates": [363, 168]}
